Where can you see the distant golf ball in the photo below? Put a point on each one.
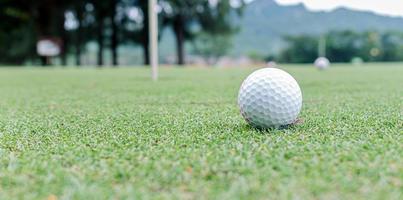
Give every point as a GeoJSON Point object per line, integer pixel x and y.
{"type": "Point", "coordinates": [271, 64]}
{"type": "Point", "coordinates": [270, 97]}
{"type": "Point", "coordinates": [322, 63]}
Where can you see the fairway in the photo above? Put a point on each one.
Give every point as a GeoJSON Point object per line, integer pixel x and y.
{"type": "Point", "coordinates": [114, 133]}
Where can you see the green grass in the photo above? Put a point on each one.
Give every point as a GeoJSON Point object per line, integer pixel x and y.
{"type": "Point", "coordinates": [114, 134]}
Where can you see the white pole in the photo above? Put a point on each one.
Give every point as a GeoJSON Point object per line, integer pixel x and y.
{"type": "Point", "coordinates": [153, 31]}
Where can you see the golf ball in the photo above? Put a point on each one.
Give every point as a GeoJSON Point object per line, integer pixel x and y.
{"type": "Point", "coordinates": [270, 97]}
{"type": "Point", "coordinates": [271, 64]}
{"type": "Point", "coordinates": [322, 63]}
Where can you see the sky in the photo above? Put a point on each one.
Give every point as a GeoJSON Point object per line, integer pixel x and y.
{"type": "Point", "coordinates": [384, 7]}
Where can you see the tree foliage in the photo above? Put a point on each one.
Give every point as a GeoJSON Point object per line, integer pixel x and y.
{"type": "Point", "coordinates": [211, 47]}
{"type": "Point", "coordinates": [107, 23]}
{"type": "Point", "coordinates": [343, 46]}
{"type": "Point", "coordinates": [189, 18]}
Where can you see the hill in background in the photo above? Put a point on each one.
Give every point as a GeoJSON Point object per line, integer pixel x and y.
{"type": "Point", "coordinates": [265, 23]}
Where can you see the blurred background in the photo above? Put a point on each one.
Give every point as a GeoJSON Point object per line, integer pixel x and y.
{"type": "Point", "coordinates": [199, 32]}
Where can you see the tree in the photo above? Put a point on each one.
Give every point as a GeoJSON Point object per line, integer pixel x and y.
{"type": "Point", "coordinates": [135, 26]}
{"type": "Point", "coordinates": [79, 10]}
{"type": "Point", "coordinates": [301, 49]}
{"type": "Point", "coordinates": [343, 46]}
{"type": "Point", "coordinates": [392, 46]}
{"type": "Point", "coordinates": [48, 17]}
{"type": "Point", "coordinates": [141, 34]}
{"type": "Point", "coordinates": [211, 47]}
{"type": "Point", "coordinates": [101, 14]}
{"type": "Point", "coordinates": [114, 31]}
{"type": "Point", "coordinates": [16, 32]}
{"type": "Point", "coordinates": [185, 17]}
{"type": "Point", "coordinates": [106, 22]}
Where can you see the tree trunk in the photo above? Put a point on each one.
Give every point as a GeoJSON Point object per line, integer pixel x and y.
{"type": "Point", "coordinates": [180, 39]}
{"type": "Point", "coordinates": [100, 40]}
{"type": "Point", "coordinates": [64, 47]}
{"type": "Point", "coordinates": [146, 53]}
{"type": "Point", "coordinates": [114, 45]}
{"type": "Point", "coordinates": [45, 61]}
{"type": "Point", "coordinates": [114, 36]}
{"type": "Point", "coordinates": [44, 24]}
{"type": "Point", "coordinates": [78, 45]}
{"type": "Point", "coordinates": [62, 33]}
{"type": "Point", "coordinates": [78, 54]}
{"type": "Point", "coordinates": [79, 34]}
{"type": "Point", "coordinates": [145, 38]}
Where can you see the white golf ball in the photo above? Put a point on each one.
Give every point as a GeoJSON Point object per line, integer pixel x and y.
{"type": "Point", "coordinates": [270, 97]}
{"type": "Point", "coordinates": [271, 64]}
{"type": "Point", "coordinates": [322, 63]}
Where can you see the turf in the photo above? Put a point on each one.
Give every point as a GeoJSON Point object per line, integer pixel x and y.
{"type": "Point", "coordinates": [114, 134]}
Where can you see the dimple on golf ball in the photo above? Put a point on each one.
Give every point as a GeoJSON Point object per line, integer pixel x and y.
{"type": "Point", "coordinates": [270, 97]}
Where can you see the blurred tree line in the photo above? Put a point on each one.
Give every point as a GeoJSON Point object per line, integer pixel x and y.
{"type": "Point", "coordinates": [343, 46]}
{"type": "Point", "coordinates": [109, 23]}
